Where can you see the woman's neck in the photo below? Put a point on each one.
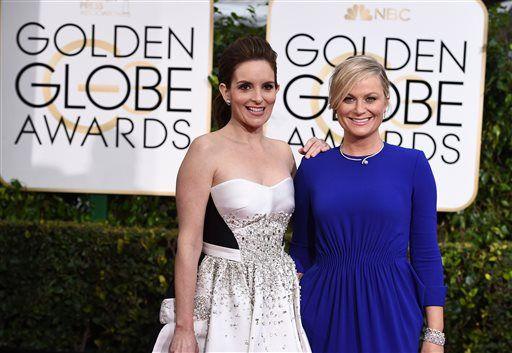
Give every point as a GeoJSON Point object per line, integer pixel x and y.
{"type": "Point", "coordinates": [241, 133]}
{"type": "Point", "coordinates": [362, 146]}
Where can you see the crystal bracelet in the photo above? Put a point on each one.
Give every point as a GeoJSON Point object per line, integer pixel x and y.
{"type": "Point", "coordinates": [433, 336]}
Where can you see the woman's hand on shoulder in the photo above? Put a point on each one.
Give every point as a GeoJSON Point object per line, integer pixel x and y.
{"type": "Point", "coordinates": [184, 341]}
{"type": "Point", "coordinates": [313, 147]}
{"type": "Point", "coordinates": [429, 347]}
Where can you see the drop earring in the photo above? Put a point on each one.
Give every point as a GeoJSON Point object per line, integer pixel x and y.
{"type": "Point", "coordinates": [385, 112]}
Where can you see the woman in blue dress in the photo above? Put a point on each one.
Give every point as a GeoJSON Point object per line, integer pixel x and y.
{"type": "Point", "coordinates": [365, 231]}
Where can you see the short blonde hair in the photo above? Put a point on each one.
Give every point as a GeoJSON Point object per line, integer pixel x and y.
{"type": "Point", "coordinates": [351, 71]}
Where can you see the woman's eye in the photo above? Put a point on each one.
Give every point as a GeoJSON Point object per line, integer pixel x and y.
{"type": "Point", "coordinates": [268, 86]}
{"type": "Point", "coordinates": [371, 99]}
{"type": "Point", "coordinates": [348, 100]}
{"type": "Point", "coordinates": [244, 86]}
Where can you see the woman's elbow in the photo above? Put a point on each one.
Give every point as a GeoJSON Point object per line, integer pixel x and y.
{"type": "Point", "coordinates": [189, 244]}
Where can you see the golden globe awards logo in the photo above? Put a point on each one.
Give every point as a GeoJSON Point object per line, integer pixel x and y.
{"type": "Point", "coordinates": [91, 85]}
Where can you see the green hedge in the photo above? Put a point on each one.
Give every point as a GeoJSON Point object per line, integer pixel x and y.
{"type": "Point", "coordinates": [479, 302]}
{"type": "Point", "coordinates": [66, 286]}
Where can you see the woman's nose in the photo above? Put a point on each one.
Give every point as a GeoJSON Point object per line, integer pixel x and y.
{"type": "Point", "coordinates": [360, 109]}
{"type": "Point", "coordinates": [257, 97]}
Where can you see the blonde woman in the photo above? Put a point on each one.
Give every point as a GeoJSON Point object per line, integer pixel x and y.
{"type": "Point", "coordinates": [365, 231]}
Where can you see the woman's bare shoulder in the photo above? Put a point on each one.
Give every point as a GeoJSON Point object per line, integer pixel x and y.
{"type": "Point", "coordinates": [283, 150]}
{"type": "Point", "coordinates": [205, 145]}
{"type": "Point", "coordinates": [279, 145]}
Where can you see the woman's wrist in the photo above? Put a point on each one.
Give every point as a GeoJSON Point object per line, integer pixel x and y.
{"type": "Point", "coordinates": [185, 325]}
{"type": "Point", "coordinates": [185, 329]}
{"type": "Point", "coordinates": [433, 336]}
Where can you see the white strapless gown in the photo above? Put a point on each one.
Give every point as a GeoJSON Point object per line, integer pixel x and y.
{"type": "Point", "coordinates": [246, 300]}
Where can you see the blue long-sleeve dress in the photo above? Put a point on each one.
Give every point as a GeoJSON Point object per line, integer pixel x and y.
{"type": "Point", "coordinates": [364, 235]}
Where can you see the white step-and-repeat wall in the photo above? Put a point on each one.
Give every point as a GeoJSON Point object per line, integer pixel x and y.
{"type": "Point", "coordinates": [105, 97]}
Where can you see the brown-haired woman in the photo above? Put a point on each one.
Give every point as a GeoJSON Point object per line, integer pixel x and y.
{"type": "Point", "coordinates": [235, 198]}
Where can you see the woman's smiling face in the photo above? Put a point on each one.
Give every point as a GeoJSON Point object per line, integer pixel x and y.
{"type": "Point", "coordinates": [252, 93]}
{"type": "Point", "coordinates": [360, 113]}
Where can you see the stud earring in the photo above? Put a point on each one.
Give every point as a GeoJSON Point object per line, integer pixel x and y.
{"type": "Point", "coordinates": [228, 102]}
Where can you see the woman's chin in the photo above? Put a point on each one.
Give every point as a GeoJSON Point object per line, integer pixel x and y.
{"type": "Point", "coordinates": [360, 132]}
{"type": "Point", "coordinates": [256, 122]}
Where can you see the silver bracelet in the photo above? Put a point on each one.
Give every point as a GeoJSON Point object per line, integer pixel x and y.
{"type": "Point", "coordinates": [433, 336]}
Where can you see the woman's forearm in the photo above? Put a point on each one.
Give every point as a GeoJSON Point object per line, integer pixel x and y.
{"type": "Point", "coordinates": [185, 276]}
{"type": "Point", "coordinates": [435, 318]}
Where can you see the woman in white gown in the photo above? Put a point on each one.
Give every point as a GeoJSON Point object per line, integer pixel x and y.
{"type": "Point", "coordinates": [235, 197]}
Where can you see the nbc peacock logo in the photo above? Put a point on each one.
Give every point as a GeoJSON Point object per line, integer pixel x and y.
{"type": "Point", "coordinates": [358, 11]}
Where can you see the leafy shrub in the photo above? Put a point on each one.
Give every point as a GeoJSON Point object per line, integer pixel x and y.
{"type": "Point", "coordinates": [69, 286]}
{"type": "Point", "coordinates": [479, 305]}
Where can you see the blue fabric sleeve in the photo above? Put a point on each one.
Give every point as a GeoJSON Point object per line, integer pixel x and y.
{"type": "Point", "coordinates": [424, 250]}
{"type": "Point", "coordinates": [302, 243]}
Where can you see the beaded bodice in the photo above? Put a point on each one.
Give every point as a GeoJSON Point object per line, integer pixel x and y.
{"type": "Point", "coordinates": [260, 237]}
{"type": "Point", "coordinates": [258, 216]}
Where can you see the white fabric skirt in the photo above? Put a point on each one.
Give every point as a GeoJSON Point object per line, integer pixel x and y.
{"type": "Point", "coordinates": [242, 306]}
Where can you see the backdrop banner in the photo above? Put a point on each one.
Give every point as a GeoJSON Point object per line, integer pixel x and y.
{"type": "Point", "coordinates": [102, 96]}
{"type": "Point", "coordinates": [437, 70]}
